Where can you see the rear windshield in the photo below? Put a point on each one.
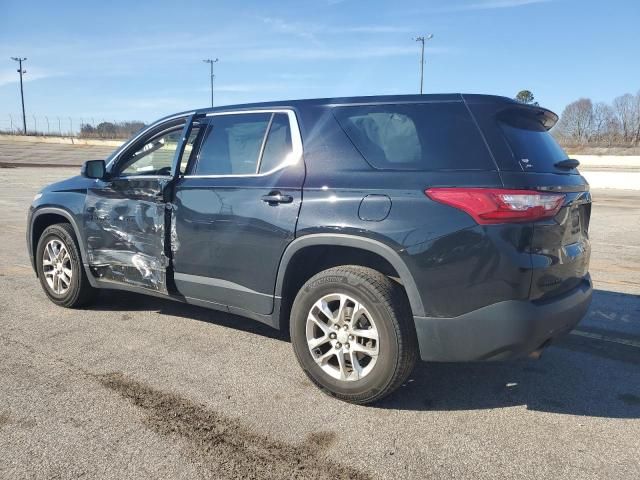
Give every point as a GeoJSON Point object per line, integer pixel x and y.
{"type": "Point", "coordinates": [424, 136]}
{"type": "Point", "coordinates": [533, 147]}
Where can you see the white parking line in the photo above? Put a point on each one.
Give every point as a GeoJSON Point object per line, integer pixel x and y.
{"type": "Point", "coordinates": [620, 245]}
{"type": "Point", "coordinates": [604, 338]}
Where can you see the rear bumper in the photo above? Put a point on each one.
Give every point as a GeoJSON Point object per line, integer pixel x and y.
{"type": "Point", "coordinates": [503, 330]}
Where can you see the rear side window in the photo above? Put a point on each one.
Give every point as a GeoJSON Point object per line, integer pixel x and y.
{"type": "Point", "coordinates": [278, 144]}
{"type": "Point", "coordinates": [423, 136]}
{"type": "Point", "coordinates": [232, 144]}
{"type": "Point", "coordinates": [532, 146]}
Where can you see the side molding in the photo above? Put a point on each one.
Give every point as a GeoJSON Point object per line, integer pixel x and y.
{"type": "Point", "coordinates": [374, 246]}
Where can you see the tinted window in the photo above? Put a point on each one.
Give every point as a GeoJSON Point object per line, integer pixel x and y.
{"type": "Point", "coordinates": [189, 147]}
{"type": "Point", "coordinates": [532, 145]}
{"type": "Point", "coordinates": [278, 144]}
{"type": "Point", "coordinates": [232, 143]}
{"type": "Point", "coordinates": [426, 136]}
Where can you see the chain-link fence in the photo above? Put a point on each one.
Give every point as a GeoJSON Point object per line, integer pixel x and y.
{"type": "Point", "coordinates": [59, 126]}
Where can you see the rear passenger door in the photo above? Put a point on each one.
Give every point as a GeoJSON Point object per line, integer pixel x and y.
{"type": "Point", "coordinates": [236, 208]}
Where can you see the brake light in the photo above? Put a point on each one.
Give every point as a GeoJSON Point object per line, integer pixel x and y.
{"type": "Point", "coordinates": [496, 205]}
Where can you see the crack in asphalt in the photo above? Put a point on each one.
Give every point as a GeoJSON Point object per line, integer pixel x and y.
{"type": "Point", "coordinates": [222, 446]}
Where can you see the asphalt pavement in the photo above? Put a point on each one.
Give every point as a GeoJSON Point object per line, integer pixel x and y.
{"type": "Point", "coordinates": [138, 387]}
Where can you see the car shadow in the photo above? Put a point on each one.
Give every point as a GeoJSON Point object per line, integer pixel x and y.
{"type": "Point", "coordinates": [122, 301]}
{"type": "Point", "coordinates": [564, 381]}
{"type": "Point", "coordinates": [594, 372]}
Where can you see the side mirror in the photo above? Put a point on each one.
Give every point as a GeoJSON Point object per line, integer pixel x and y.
{"type": "Point", "coordinates": [93, 169]}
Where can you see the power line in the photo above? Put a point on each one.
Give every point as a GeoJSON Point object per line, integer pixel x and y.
{"type": "Point", "coordinates": [422, 40]}
{"type": "Point", "coordinates": [21, 71]}
{"type": "Point", "coordinates": [211, 62]}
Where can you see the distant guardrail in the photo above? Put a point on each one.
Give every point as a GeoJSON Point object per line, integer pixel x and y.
{"type": "Point", "coordinates": [61, 126]}
{"type": "Point", "coordinates": [65, 140]}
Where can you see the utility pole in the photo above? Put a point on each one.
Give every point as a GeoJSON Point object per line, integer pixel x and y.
{"type": "Point", "coordinates": [422, 40]}
{"type": "Point", "coordinates": [211, 62]}
{"type": "Point", "coordinates": [22, 72]}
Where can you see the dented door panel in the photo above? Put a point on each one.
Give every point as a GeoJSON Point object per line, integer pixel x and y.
{"type": "Point", "coordinates": [126, 235]}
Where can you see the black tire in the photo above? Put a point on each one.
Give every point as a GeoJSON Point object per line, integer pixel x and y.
{"type": "Point", "coordinates": [387, 303]}
{"type": "Point", "coordinates": [80, 293]}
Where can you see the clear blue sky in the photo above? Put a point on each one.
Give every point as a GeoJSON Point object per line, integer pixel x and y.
{"type": "Point", "coordinates": [142, 60]}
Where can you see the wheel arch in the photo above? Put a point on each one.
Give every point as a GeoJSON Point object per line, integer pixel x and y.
{"type": "Point", "coordinates": [47, 216]}
{"type": "Point", "coordinates": [374, 250]}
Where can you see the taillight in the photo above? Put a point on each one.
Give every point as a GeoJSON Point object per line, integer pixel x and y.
{"type": "Point", "coordinates": [496, 205]}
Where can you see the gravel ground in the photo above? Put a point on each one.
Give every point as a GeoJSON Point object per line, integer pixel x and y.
{"type": "Point", "coordinates": [137, 387]}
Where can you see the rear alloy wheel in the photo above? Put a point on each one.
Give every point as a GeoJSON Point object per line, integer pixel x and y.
{"type": "Point", "coordinates": [342, 337]}
{"type": "Point", "coordinates": [352, 333]}
{"type": "Point", "coordinates": [60, 269]}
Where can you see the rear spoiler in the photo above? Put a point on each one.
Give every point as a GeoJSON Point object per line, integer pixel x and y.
{"type": "Point", "coordinates": [528, 116]}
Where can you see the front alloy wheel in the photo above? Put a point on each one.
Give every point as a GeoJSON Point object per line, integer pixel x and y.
{"type": "Point", "coordinates": [56, 266]}
{"type": "Point", "coordinates": [60, 269]}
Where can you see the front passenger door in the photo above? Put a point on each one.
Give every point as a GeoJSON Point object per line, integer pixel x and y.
{"type": "Point", "coordinates": [126, 215]}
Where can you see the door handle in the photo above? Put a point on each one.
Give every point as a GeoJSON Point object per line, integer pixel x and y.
{"type": "Point", "coordinates": [274, 198]}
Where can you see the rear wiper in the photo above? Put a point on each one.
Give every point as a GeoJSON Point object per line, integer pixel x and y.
{"type": "Point", "coordinates": [569, 163]}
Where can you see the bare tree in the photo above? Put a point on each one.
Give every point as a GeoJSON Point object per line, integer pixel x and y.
{"type": "Point", "coordinates": [605, 125]}
{"type": "Point", "coordinates": [576, 122]}
{"type": "Point", "coordinates": [637, 117]}
{"type": "Point", "coordinates": [601, 124]}
{"type": "Point", "coordinates": [627, 110]}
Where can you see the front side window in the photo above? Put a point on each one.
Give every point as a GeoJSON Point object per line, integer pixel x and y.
{"type": "Point", "coordinates": [155, 157]}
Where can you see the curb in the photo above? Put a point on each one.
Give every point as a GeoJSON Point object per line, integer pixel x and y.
{"type": "Point", "coordinates": [36, 164]}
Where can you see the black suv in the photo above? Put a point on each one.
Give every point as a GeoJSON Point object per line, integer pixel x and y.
{"type": "Point", "coordinates": [376, 229]}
